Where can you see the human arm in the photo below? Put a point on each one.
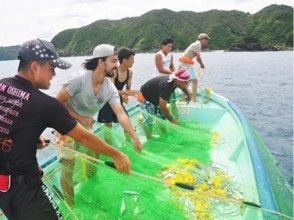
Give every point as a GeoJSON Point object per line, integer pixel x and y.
{"type": "Point", "coordinates": [188, 94]}
{"type": "Point", "coordinates": [93, 142]}
{"type": "Point", "coordinates": [63, 96]}
{"type": "Point", "coordinates": [42, 142]}
{"type": "Point", "coordinates": [128, 91]}
{"type": "Point", "coordinates": [159, 65]}
{"type": "Point", "coordinates": [126, 124]}
{"type": "Point", "coordinates": [56, 116]}
{"type": "Point", "coordinates": [171, 66]}
{"type": "Point", "coordinates": [165, 111]}
{"type": "Point", "coordinates": [199, 60]}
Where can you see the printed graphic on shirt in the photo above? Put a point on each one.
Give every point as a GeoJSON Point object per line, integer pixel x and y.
{"type": "Point", "coordinates": [11, 102]}
{"type": "Point", "coordinates": [5, 144]}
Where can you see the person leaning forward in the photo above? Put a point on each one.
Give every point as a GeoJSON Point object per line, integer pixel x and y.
{"type": "Point", "coordinates": [23, 195]}
{"type": "Point", "coordinates": [157, 92]}
{"type": "Point", "coordinates": [84, 96]}
{"type": "Point", "coordinates": [122, 79]}
{"type": "Point", "coordinates": [186, 60]}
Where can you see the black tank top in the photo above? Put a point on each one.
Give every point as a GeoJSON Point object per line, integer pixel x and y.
{"type": "Point", "coordinates": [120, 85]}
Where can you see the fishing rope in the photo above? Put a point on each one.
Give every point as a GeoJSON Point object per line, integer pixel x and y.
{"type": "Point", "coordinates": [182, 185]}
{"type": "Point", "coordinates": [162, 160]}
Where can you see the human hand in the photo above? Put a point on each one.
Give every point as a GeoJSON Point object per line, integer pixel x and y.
{"type": "Point", "coordinates": [87, 121]}
{"type": "Point", "coordinates": [42, 142]}
{"type": "Point", "coordinates": [125, 98]}
{"type": "Point", "coordinates": [134, 92]}
{"type": "Point", "coordinates": [174, 121]}
{"type": "Point", "coordinates": [188, 98]}
{"type": "Point", "coordinates": [122, 163]}
{"type": "Point", "coordinates": [137, 145]}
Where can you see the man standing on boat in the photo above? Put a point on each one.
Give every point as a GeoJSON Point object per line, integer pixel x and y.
{"type": "Point", "coordinates": [156, 94]}
{"type": "Point", "coordinates": [84, 96]}
{"type": "Point", "coordinates": [121, 78]}
{"type": "Point", "coordinates": [186, 60]}
{"type": "Point", "coordinates": [164, 58]}
{"type": "Point", "coordinates": [25, 113]}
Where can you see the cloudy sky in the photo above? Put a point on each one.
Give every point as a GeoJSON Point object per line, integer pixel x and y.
{"type": "Point", "coordinates": [27, 19]}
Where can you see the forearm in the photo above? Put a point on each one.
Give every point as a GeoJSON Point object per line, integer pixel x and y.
{"type": "Point", "coordinates": [164, 71]}
{"type": "Point", "coordinates": [172, 69]}
{"type": "Point", "coordinates": [126, 92]}
{"type": "Point", "coordinates": [75, 115]}
{"type": "Point", "coordinates": [123, 92]}
{"type": "Point", "coordinates": [129, 93]}
{"type": "Point", "coordinates": [185, 90]}
{"type": "Point", "coordinates": [125, 122]}
{"type": "Point", "coordinates": [166, 113]}
{"type": "Point", "coordinates": [199, 60]}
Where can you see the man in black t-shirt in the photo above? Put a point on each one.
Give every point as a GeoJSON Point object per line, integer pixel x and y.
{"type": "Point", "coordinates": [24, 114]}
{"type": "Point", "coordinates": [157, 92]}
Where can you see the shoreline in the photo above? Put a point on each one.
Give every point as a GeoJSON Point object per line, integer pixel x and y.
{"type": "Point", "coordinates": [181, 51]}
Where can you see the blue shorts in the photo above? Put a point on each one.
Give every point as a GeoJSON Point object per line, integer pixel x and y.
{"type": "Point", "coordinates": [189, 68]}
{"type": "Point", "coordinates": [151, 109]}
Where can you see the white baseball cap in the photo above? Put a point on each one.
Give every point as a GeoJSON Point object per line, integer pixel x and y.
{"type": "Point", "coordinates": [103, 50]}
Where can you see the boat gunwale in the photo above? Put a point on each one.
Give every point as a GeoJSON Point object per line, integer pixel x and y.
{"type": "Point", "coordinates": [266, 195]}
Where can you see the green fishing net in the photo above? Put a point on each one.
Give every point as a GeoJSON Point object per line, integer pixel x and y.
{"type": "Point", "coordinates": [100, 192]}
{"type": "Point", "coordinates": [281, 188]}
{"type": "Point", "coordinates": [172, 154]}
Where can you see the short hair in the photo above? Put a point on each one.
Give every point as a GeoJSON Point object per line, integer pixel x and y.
{"type": "Point", "coordinates": [25, 64]}
{"type": "Point", "coordinates": [92, 63]}
{"type": "Point", "coordinates": [124, 53]}
{"type": "Point", "coordinates": [166, 41]}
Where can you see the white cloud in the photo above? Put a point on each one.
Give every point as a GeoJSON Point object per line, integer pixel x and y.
{"type": "Point", "coordinates": [27, 19]}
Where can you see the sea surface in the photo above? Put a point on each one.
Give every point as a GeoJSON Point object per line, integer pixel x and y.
{"type": "Point", "coordinates": [259, 83]}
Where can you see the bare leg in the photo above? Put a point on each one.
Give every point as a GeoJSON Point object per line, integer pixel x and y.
{"type": "Point", "coordinates": [66, 180]}
{"type": "Point", "coordinates": [148, 130]}
{"type": "Point", "coordinates": [174, 109]}
{"type": "Point", "coordinates": [91, 169]}
{"type": "Point", "coordinates": [194, 89]}
{"type": "Point", "coordinates": [107, 135]}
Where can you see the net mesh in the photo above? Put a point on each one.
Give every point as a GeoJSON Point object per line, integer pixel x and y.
{"type": "Point", "coordinates": [281, 188]}
{"type": "Point", "coordinates": [107, 194]}
{"type": "Point", "coordinates": [97, 191]}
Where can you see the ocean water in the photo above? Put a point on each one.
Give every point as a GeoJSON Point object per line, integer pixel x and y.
{"type": "Point", "coordinates": [260, 83]}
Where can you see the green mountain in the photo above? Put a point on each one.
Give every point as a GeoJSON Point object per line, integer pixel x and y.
{"type": "Point", "coordinates": [272, 25]}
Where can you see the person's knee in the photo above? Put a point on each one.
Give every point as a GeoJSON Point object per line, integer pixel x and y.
{"type": "Point", "coordinates": [67, 168]}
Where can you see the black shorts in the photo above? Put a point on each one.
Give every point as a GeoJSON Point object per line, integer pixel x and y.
{"type": "Point", "coordinates": [106, 115]}
{"type": "Point", "coordinates": [28, 199]}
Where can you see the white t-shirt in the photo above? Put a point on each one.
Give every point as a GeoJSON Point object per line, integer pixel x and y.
{"type": "Point", "coordinates": [166, 59]}
{"type": "Point", "coordinates": [83, 100]}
